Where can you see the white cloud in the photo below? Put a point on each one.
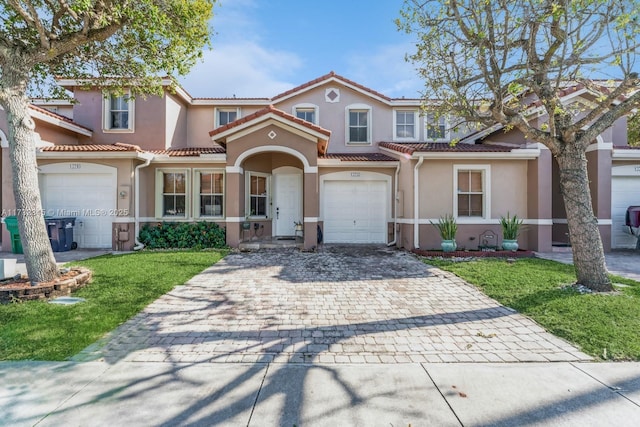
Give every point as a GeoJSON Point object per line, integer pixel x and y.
{"type": "Point", "coordinates": [385, 70]}
{"type": "Point", "coordinates": [243, 69]}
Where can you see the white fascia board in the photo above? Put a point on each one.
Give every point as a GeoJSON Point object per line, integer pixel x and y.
{"type": "Point", "coordinates": [517, 154]}
{"type": "Point", "coordinates": [395, 153]}
{"type": "Point", "coordinates": [89, 155]}
{"type": "Point", "coordinates": [336, 163]}
{"type": "Point", "coordinates": [625, 154]}
{"type": "Point", "coordinates": [60, 123]}
{"type": "Point", "coordinates": [399, 103]}
{"type": "Point", "coordinates": [268, 119]}
{"type": "Point", "coordinates": [217, 158]}
{"type": "Point", "coordinates": [230, 101]}
{"type": "Point", "coordinates": [332, 79]}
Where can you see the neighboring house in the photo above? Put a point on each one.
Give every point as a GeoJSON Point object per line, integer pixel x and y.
{"type": "Point", "coordinates": [332, 153]}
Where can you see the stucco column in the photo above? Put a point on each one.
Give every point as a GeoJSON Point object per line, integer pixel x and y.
{"type": "Point", "coordinates": [539, 204]}
{"type": "Point", "coordinates": [234, 205]}
{"type": "Point", "coordinates": [311, 210]}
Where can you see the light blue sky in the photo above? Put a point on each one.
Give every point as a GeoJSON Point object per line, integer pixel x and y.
{"type": "Point", "coordinates": [264, 47]}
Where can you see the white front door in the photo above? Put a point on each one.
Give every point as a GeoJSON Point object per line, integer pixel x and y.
{"type": "Point", "coordinates": [287, 209]}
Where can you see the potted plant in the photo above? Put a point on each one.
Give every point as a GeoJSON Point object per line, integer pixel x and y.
{"type": "Point", "coordinates": [447, 227]}
{"type": "Point", "coordinates": [246, 224]}
{"type": "Point", "coordinates": [510, 230]}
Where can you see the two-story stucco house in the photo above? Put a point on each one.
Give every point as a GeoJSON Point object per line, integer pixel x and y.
{"type": "Point", "coordinates": [330, 154]}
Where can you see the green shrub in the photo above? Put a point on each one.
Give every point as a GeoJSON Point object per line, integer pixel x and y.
{"type": "Point", "coordinates": [183, 235]}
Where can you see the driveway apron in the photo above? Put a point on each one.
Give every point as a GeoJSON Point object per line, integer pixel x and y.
{"type": "Point", "coordinates": [342, 304]}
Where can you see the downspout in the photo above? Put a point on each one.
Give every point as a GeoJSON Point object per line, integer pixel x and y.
{"type": "Point", "coordinates": [416, 205]}
{"type": "Point", "coordinates": [395, 208]}
{"type": "Point", "coordinates": [136, 218]}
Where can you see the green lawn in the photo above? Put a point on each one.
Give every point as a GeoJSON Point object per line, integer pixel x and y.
{"type": "Point", "coordinates": [122, 286]}
{"type": "Point", "coordinates": [604, 326]}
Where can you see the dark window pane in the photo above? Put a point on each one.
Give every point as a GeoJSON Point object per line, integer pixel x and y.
{"type": "Point", "coordinates": [463, 205]}
{"type": "Point", "coordinates": [169, 183]}
{"type": "Point", "coordinates": [475, 205]}
{"type": "Point", "coordinates": [205, 183]}
{"type": "Point", "coordinates": [463, 181]}
{"type": "Point", "coordinates": [218, 183]}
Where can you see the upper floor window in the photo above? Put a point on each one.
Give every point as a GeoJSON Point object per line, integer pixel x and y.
{"type": "Point", "coordinates": [226, 115]}
{"type": "Point", "coordinates": [436, 127]}
{"type": "Point", "coordinates": [405, 124]}
{"type": "Point", "coordinates": [358, 124]}
{"type": "Point", "coordinates": [308, 112]}
{"type": "Point", "coordinates": [472, 191]}
{"type": "Point", "coordinates": [118, 113]}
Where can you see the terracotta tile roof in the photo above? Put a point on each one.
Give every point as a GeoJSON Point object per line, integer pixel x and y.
{"type": "Point", "coordinates": [327, 77]}
{"type": "Point", "coordinates": [269, 110]}
{"type": "Point", "coordinates": [230, 98]}
{"type": "Point", "coordinates": [118, 146]}
{"type": "Point", "coordinates": [444, 147]}
{"type": "Point", "coordinates": [57, 116]}
{"type": "Point", "coordinates": [190, 151]}
{"type": "Point", "coordinates": [359, 157]}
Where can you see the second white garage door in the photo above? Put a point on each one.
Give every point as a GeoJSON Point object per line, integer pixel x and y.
{"type": "Point", "coordinates": [355, 211]}
{"type": "Point", "coordinates": [625, 192]}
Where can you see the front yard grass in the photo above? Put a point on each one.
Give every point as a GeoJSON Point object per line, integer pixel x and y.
{"type": "Point", "coordinates": [122, 286]}
{"type": "Point", "coordinates": [604, 326]}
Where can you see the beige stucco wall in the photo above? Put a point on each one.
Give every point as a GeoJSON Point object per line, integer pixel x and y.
{"type": "Point", "coordinates": [149, 121]}
{"type": "Point", "coordinates": [508, 187]}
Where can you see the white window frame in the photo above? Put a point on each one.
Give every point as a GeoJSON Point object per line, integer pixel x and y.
{"type": "Point", "coordinates": [486, 190]}
{"type": "Point", "coordinates": [445, 122]}
{"type": "Point", "coordinates": [197, 193]}
{"type": "Point", "coordinates": [247, 201]}
{"type": "Point", "coordinates": [416, 124]}
{"type": "Point", "coordinates": [106, 113]}
{"type": "Point", "coordinates": [307, 107]}
{"type": "Point", "coordinates": [160, 193]}
{"type": "Point", "coordinates": [218, 110]}
{"type": "Point", "coordinates": [359, 108]}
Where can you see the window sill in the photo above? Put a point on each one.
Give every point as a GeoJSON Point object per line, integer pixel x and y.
{"type": "Point", "coordinates": [358, 143]}
{"type": "Point", "coordinates": [118, 131]}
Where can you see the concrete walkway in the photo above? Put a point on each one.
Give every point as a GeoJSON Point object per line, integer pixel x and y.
{"type": "Point", "coordinates": [275, 394]}
{"type": "Point", "coordinates": [349, 336]}
{"type": "Point", "coordinates": [625, 263]}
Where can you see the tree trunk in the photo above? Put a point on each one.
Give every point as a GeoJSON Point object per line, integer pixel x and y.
{"type": "Point", "coordinates": [588, 253]}
{"type": "Point", "coordinates": [41, 264]}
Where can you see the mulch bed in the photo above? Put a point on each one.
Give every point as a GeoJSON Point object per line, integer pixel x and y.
{"type": "Point", "coordinates": [20, 289]}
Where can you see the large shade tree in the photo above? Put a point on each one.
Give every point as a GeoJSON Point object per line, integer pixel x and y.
{"type": "Point", "coordinates": [495, 62]}
{"type": "Point", "coordinates": [112, 44]}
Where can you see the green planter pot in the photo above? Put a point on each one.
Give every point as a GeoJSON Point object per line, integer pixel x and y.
{"type": "Point", "coordinates": [510, 245]}
{"type": "Point", "coordinates": [448, 245]}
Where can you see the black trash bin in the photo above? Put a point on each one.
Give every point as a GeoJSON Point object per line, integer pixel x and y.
{"type": "Point", "coordinates": [60, 231]}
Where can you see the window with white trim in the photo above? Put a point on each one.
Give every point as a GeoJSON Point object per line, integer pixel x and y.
{"type": "Point", "coordinates": [405, 125]}
{"type": "Point", "coordinates": [472, 191]}
{"type": "Point", "coordinates": [258, 195]}
{"type": "Point", "coordinates": [307, 114]}
{"type": "Point", "coordinates": [436, 127]}
{"type": "Point", "coordinates": [226, 115]}
{"type": "Point", "coordinates": [172, 193]}
{"type": "Point", "coordinates": [358, 124]}
{"type": "Point", "coordinates": [209, 200]}
{"type": "Point", "coordinates": [118, 113]}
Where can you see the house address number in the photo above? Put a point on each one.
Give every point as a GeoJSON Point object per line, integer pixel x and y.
{"type": "Point", "coordinates": [75, 166]}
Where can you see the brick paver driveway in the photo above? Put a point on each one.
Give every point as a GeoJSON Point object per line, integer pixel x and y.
{"type": "Point", "coordinates": [343, 304]}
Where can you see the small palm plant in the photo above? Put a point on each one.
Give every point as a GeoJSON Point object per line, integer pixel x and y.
{"type": "Point", "coordinates": [510, 227]}
{"type": "Point", "coordinates": [447, 227]}
{"type": "Point", "coordinates": [510, 230]}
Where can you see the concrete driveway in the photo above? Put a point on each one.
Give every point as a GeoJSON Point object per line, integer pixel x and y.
{"type": "Point", "coordinates": [344, 304]}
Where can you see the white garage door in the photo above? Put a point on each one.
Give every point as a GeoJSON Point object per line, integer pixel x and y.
{"type": "Point", "coordinates": [355, 211]}
{"type": "Point", "coordinates": [85, 191]}
{"type": "Point", "coordinates": [625, 192]}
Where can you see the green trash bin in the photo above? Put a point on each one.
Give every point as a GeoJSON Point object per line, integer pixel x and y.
{"type": "Point", "coordinates": [12, 226]}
